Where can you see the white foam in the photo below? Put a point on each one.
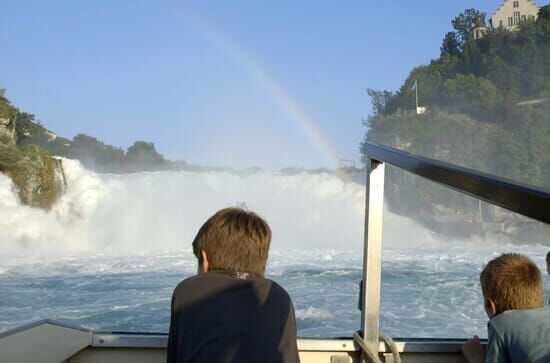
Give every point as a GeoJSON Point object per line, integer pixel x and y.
{"type": "Point", "coordinates": [161, 211]}
{"type": "Point", "coordinates": [152, 212]}
{"type": "Point", "coordinates": [313, 313]}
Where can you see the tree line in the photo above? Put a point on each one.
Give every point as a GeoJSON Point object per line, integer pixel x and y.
{"type": "Point", "coordinates": [91, 152]}
{"type": "Point", "coordinates": [484, 78]}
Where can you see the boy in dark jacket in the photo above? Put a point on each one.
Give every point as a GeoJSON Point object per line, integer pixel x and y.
{"type": "Point", "coordinates": [229, 312]}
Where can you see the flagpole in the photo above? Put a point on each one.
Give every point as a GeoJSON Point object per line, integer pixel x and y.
{"type": "Point", "coordinates": [416, 89]}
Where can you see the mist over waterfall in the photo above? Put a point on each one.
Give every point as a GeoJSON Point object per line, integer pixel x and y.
{"type": "Point", "coordinates": [146, 212]}
{"type": "Point", "coordinates": [121, 214]}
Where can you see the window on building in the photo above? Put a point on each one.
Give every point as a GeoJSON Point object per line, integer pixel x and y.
{"type": "Point", "coordinates": [516, 4]}
{"type": "Point", "coordinates": [510, 21]}
{"type": "Point", "coordinates": [517, 17]}
{"type": "Point", "coordinates": [501, 23]}
{"type": "Point", "coordinates": [523, 18]}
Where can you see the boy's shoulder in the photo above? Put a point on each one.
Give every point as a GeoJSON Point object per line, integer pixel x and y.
{"type": "Point", "coordinates": [211, 281]}
{"type": "Point", "coordinates": [523, 334]}
{"type": "Point", "coordinates": [516, 319]}
{"type": "Point", "coordinates": [222, 276]}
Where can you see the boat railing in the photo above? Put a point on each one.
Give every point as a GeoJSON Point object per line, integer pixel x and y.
{"type": "Point", "coordinates": [527, 200]}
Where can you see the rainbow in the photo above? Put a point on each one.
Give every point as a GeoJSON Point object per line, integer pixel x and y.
{"type": "Point", "coordinates": [275, 89]}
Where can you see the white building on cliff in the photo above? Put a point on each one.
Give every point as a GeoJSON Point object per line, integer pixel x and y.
{"type": "Point", "coordinates": [512, 12]}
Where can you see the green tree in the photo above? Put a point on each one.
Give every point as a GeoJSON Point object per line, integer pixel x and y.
{"type": "Point", "coordinates": [477, 96]}
{"type": "Point", "coordinates": [451, 45]}
{"type": "Point", "coordinates": [143, 155]}
{"type": "Point", "coordinates": [544, 13]}
{"type": "Point", "coordinates": [96, 155]}
{"type": "Point", "coordinates": [6, 109]}
{"type": "Point", "coordinates": [379, 100]}
{"type": "Point", "coordinates": [465, 23]}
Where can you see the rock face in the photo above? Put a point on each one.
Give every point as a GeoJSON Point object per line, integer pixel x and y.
{"type": "Point", "coordinates": [38, 177]}
{"type": "Point", "coordinates": [7, 131]}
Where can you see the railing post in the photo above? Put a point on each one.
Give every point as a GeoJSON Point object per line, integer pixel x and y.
{"type": "Point", "coordinates": [372, 254]}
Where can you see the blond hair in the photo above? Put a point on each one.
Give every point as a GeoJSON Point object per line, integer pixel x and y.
{"type": "Point", "coordinates": [512, 281]}
{"type": "Point", "coordinates": [234, 240]}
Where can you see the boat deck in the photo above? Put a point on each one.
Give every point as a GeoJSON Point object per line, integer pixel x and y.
{"type": "Point", "coordinates": [50, 341]}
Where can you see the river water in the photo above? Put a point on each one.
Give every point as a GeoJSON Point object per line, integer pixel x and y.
{"type": "Point", "coordinates": [108, 255]}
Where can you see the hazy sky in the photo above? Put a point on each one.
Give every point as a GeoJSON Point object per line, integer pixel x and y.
{"type": "Point", "coordinates": [237, 83]}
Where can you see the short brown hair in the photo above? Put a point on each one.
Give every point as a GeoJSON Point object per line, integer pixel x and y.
{"type": "Point", "coordinates": [235, 240]}
{"type": "Point", "coordinates": [512, 281]}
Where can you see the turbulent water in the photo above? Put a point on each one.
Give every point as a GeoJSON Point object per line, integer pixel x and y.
{"type": "Point", "coordinates": [108, 255]}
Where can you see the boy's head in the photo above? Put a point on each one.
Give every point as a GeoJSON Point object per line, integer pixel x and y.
{"type": "Point", "coordinates": [235, 240]}
{"type": "Point", "coordinates": [511, 282]}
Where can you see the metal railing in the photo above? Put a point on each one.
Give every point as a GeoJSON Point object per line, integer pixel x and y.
{"type": "Point", "coordinates": [524, 199]}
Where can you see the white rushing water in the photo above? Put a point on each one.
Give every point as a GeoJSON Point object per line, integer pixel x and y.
{"type": "Point", "coordinates": [118, 214]}
{"type": "Point", "coordinates": [113, 247]}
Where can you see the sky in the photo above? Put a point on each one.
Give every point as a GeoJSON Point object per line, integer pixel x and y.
{"type": "Point", "coordinates": [234, 83]}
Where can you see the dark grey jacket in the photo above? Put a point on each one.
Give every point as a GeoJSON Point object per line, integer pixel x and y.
{"type": "Point", "coordinates": [223, 317]}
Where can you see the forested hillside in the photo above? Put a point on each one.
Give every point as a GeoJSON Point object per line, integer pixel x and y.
{"type": "Point", "coordinates": [91, 152]}
{"type": "Point", "coordinates": [488, 108]}
{"type": "Point", "coordinates": [22, 129]}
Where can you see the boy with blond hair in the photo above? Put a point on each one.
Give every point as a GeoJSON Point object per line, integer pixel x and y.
{"type": "Point", "coordinates": [519, 326]}
{"type": "Point", "coordinates": [228, 312]}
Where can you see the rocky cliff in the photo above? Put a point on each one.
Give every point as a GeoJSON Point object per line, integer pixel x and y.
{"type": "Point", "coordinates": [7, 131]}
{"type": "Point", "coordinates": [38, 177]}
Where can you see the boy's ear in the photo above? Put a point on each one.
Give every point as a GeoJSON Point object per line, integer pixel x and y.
{"type": "Point", "coordinates": [205, 264]}
{"type": "Point", "coordinates": [490, 308]}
